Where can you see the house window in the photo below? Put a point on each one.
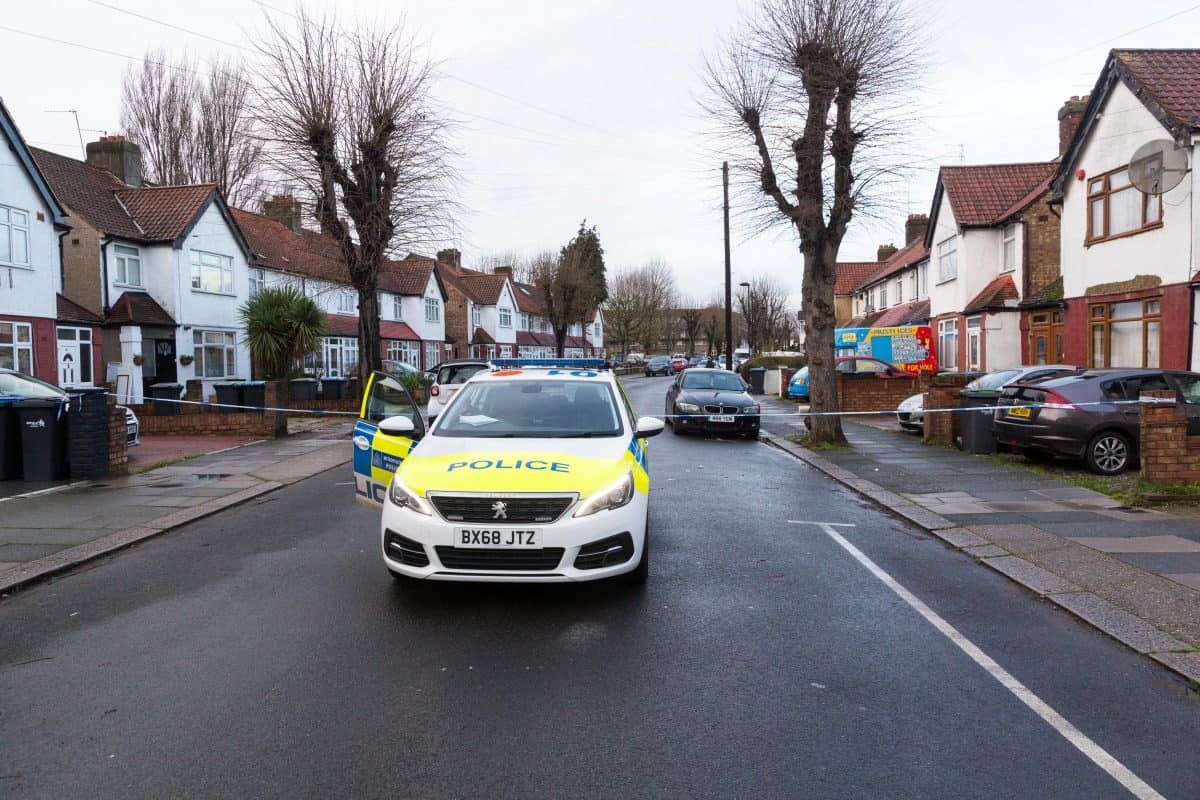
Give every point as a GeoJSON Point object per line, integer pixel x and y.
{"type": "Point", "coordinates": [258, 281]}
{"type": "Point", "coordinates": [341, 355]}
{"type": "Point", "coordinates": [868, 301]}
{"type": "Point", "coordinates": [1008, 239]}
{"type": "Point", "coordinates": [397, 307]}
{"type": "Point", "coordinates": [1117, 208]}
{"type": "Point", "coordinates": [974, 344]}
{"type": "Point", "coordinates": [14, 236]}
{"type": "Point", "coordinates": [345, 303]}
{"type": "Point", "coordinates": [1127, 334]}
{"type": "Point", "coordinates": [505, 317]}
{"type": "Point", "coordinates": [948, 260]}
{"type": "Point", "coordinates": [524, 321]}
{"type": "Point", "coordinates": [948, 343]}
{"type": "Point", "coordinates": [128, 265]}
{"type": "Point", "coordinates": [474, 316]}
{"type": "Point", "coordinates": [431, 355]}
{"type": "Point", "coordinates": [899, 291]}
{"type": "Point", "coordinates": [408, 352]}
{"type": "Point", "coordinates": [212, 273]}
{"type": "Point", "coordinates": [923, 279]}
{"type": "Point", "coordinates": [215, 353]}
{"type": "Point", "coordinates": [912, 285]}
{"type": "Point", "coordinates": [883, 295]}
{"type": "Point", "coordinates": [16, 346]}
{"type": "Point", "coordinates": [433, 309]}
{"type": "Point", "coordinates": [505, 351]}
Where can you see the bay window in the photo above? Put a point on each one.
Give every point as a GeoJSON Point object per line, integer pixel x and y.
{"type": "Point", "coordinates": [215, 353]}
{"type": "Point", "coordinates": [1127, 334]}
{"type": "Point", "coordinates": [408, 352]}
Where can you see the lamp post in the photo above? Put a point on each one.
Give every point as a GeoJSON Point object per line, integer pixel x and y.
{"type": "Point", "coordinates": [745, 303]}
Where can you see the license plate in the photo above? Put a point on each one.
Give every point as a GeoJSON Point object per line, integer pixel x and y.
{"type": "Point", "coordinates": [1020, 412]}
{"type": "Point", "coordinates": [722, 418]}
{"type": "Point", "coordinates": [497, 537]}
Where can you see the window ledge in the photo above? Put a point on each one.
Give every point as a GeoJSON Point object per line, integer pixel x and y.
{"type": "Point", "coordinates": [218, 294]}
{"type": "Point", "coordinates": [1102, 239]}
{"type": "Point", "coordinates": [137, 286]}
{"type": "Point", "coordinates": [948, 280]}
{"type": "Point", "coordinates": [7, 265]}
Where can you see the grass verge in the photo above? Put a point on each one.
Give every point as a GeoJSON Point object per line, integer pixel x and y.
{"type": "Point", "coordinates": [1129, 489]}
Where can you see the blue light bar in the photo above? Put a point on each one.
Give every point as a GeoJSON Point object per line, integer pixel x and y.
{"type": "Point", "coordinates": [548, 363]}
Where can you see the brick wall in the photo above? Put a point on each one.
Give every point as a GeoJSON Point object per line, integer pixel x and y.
{"type": "Point", "coordinates": [118, 456]}
{"type": "Point", "coordinates": [81, 266]}
{"type": "Point", "coordinates": [869, 393]}
{"type": "Point", "coordinates": [456, 321]}
{"type": "Point", "coordinates": [942, 392]}
{"type": "Point", "coordinates": [1169, 455]}
{"type": "Point", "coordinates": [205, 423]}
{"type": "Point", "coordinates": [1042, 247]}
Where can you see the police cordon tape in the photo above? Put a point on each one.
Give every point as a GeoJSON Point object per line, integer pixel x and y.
{"type": "Point", "coordinates": [694, 414]}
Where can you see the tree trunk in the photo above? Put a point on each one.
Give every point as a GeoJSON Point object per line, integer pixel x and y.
{"type": "Point", "coordinates": [560, 341]}
{"type": "Point", "coordinates": [819, 311]}
{"type": "Point", "coordinates": [369, 358]}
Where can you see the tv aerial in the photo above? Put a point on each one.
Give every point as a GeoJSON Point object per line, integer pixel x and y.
{"type": "Point", "coordinates": [1158, 166]}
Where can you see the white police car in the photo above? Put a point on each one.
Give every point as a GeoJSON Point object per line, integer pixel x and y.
{"type": "Point", "coordinates": [535, 472]}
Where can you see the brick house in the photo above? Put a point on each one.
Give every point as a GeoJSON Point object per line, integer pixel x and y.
{"type": "Point", "coordinates": [897, 292]}
{"type": "Point", "coordinates": [1130, 271]}
{"type": "Point", "coordinates": [32, 221]}
{"type": "Point", "coordinates": [164, 267]}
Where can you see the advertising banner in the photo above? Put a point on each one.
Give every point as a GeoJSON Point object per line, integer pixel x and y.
{"type": "Point", "coordinates": [909, 347]}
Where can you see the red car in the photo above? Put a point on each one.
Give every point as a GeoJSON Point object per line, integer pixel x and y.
{"type": "Point", "coordinates": [679, 363]}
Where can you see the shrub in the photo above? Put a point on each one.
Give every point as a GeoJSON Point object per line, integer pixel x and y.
{"type": "Point", "coordinates": [772, 362]}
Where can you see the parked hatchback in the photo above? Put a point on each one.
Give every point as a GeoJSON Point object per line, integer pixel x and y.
{"type": "Point", "coordinates": [659, 365]}
{"type": "Point", "coordinates": [1092, 416]}
{"type": "Point", "coordinates": [451, 375]}
{"type": "Point", "coordinates": [911, 412]}
{"type": "Point", "coordinates": [798, 385]}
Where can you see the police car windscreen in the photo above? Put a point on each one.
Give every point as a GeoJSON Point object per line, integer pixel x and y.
{"type": "Point", "coordinates": [532, 408]}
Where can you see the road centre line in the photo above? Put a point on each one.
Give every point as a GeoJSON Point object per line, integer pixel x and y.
{"type": "Point", "coordinates": [1098, 755]}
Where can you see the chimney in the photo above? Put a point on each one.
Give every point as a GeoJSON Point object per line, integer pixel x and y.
{"type": "Point", "coordinates": [1069, 117]}
{"type": "Point", "coordinates": [450, 256]}
{"type": "Point", "coordinates": [505, 270]}
{"type": "Point", "coordinates": [284, 209]}
{"type": "Point", "coordinates": [119, 156]}
{"type": "Point", "coordinates": [915, 228]}
{"type": "Point", "coordinates": [885, 252]}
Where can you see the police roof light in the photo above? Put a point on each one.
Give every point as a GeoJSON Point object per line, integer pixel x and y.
{"type": "Point", "coordinates": [548, 363]}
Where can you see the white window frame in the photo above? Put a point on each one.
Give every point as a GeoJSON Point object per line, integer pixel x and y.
{"type": "Point", "coordinates": [345, 302]}
{"type": "Point", "coordinates": [475, 316]}
{"type": "Point", "coordinates": [345, 364]}
{"type": "Point", "coordinates": [922, 280]}
{"type": "Point", "coordinates": [883, 299]}
{"type": "Point", "coordinates": [432, 352]}
{"type": "Point", "coordinates": [397, 307]}
{"type": "Point", "coordinates": [914, 284]}
{"type": "Point", "coordinates": [433, 309]}
{"type": "Point", "coordinates": [1008, 236]}
{"type": "Point", "coordinates": [82, 338]}
{"type": "Point", "coordinates": [947, 329]}
{"type": "Point", "coordinates": [125, 256]}
{"type": "Point", "coordinates": [524, 321]}
{"type": "Point", "coordinates": [203, 263]}
{"type": "Point", "coordinates": [10, 229]}
{"type": "Point", "coordinates": [974, 344]}
{"type": "Point", "coordinates": [226, 341]}
{"type": "Point", "coordinates": [900, 290]}
{"type": "Point", "coordinates": [404, 350]}
{"type": "Point", "coordinates": [20, 336]}
{"type": "Point", "coordinates": [504, 317]}
{"type": "Point", "coordinates": [258, 280]}
{"type": "Point", "coordinates": [947, 254]}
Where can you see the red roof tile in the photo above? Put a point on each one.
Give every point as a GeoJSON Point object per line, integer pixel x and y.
{"type": "Point", "coordinates": [88, 192]}
{"type": "Point", "coordinates": [277, 247]}
{"type": "Point", "coordinates": [164, 213]}
{"type": "Point", "coordinates": [994, 295]}
{"type": "Point", "coordinates": [535, 339]}
{"type": "Point", "coordinates": [70, 311]}
{"type": "Point", "coordinates": [529, 299]}
{"type": "Point", "coordinates": [987, 194]}
{"type": "Point", "coordinates": [480, 336]}
{"type": "Point", "coordinates": [341, 325]}
{"type": "Point", "coordinates": [1170, 77]}
{"type": "Point", "coordinates": [138, 308]}
{"type": "Point", "coordinates": [904, 258]}
{"type": "Point", "coordinates": [397, 330]}
{"type": "Point", "coordinates": [912, 313]}
{"type": "Point", "coordinates": [851, 273]}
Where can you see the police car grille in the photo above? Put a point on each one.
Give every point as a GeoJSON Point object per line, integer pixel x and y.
{"type": "Point", "coordinates": [514, 560]}
{"type": "Point", "coordinates": [516, 509]}
{"type": "Point", "coordinates": [721, 409]}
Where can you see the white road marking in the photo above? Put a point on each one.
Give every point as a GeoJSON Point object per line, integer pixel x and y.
{"type": "Point", "coordinates": [1099, 756]}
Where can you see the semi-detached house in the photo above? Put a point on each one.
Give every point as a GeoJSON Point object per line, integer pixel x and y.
{"type": "Point", "coordinates": [896, 293]}
{"type": "Point", "coordinates": [1130, 267]}
{"type": "Point", "coordinates": [164, 267]}
{"type": "Point", "coordinates": [31, 222]}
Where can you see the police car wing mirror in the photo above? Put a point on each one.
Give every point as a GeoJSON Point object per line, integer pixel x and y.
{"type": "Point", "coordinates": [649, 426]}
{"type": "Point", "coordinates": [397, 426]}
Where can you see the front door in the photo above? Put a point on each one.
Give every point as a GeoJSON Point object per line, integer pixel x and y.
{"type": "Point", "coordinates": [74, 356]}
{"type": "Point", "coordinates": [164, 361]}
{"type": "Point", "coordinates": [1046, 337]}
{"type": "Point", "coordinates": [376, 454]}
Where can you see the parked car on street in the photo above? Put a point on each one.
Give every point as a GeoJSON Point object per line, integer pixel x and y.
{"type": "Point", "coordinates": [712, 401]}
{"type": "Point", "coordinates": [1086, 418]}
{"type": "Point", "coordinates": [659, 365]}
{"type": "Point", "coordinates": [910, 412]}
{"type": "Point", "coordinates": [635, 358]}
{"type": "Point", "coordinates": [451, 375]}
{"type": "Point", "coordinates": [18, 385]}
{"type": "Point", "coordinates": [679, 362]}
{"type": "Point", "coordinates": [859, 365]}
{"type": "Point", "coordinates": [696, 361]}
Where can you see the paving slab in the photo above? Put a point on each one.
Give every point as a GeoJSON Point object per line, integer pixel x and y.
{"type": "Point", "coordinates": [1019, 539]}
{"type": "Point", "coordinates": [1030, 575]}
{"type": "Point", "coordinates": [961, 537]}
{"type": "Point", "coordinates": [1191, 579]}
{"type": "Point", "coordinates": [1140, 544]}
{"type": "Point", "coordinates": [1118, 623]}
{"type": "Point", "coordinates": [986, 551]}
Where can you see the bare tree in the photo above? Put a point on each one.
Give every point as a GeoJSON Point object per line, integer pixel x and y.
{"type": "Point", "coordinates": [713, 326]}
{"type": "Point", "coordinates": [522, 265]}
{"type": "Point", "coordinates": [815, 81]}
{"type": "Point", "coordinates": [622, 310]}
{"type": "Point", "coordinates": [763, 309]}
{"type": "Point", "coordinates": [158, 103]}
{"type": "Point", "coordinates": [352, 121]}
{"type": "Point", "coordinates": [226, 148]}
{"type": "Point", "coordinates": [640, 304]}
{"type": "Point", "coordinates": [691, 319]}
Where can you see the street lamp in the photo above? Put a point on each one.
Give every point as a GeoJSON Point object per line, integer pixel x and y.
{"type": "Point", "coordinates": [746, 302]}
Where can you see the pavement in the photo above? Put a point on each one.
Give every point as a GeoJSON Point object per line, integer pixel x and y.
{"type": "Point", "coordinates": [1134, 573]}
{"type": "Point", "coordinates": [265, 652]}
{"type": "Point", "coordinates": [49, 531]}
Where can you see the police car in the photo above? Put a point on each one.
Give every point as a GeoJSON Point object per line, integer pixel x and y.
{"type": "Point", "coordinates": [535, 472]}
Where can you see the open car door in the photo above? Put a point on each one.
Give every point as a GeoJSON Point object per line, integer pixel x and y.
{"type": "Point", "coordinates": [377, 454]}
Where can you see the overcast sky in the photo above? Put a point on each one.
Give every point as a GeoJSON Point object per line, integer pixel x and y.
{"type": "Point", "coordinates": [588, 108]}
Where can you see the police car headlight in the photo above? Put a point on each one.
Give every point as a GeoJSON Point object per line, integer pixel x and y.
{"type": "Point", "coordinates": [402, 496]}
{"type": "Point", "coordinates": [615, 495]}
{"type": "Point", "coordinates": [691, 408]}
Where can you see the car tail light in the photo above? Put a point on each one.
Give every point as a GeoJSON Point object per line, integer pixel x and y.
{"type": "Point", "coordinates": [1057, 399]}
{"type": "Point", "coordinates": [435, 390]}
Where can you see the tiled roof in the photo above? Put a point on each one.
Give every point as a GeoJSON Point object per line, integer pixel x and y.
{"type": "Point", "coordinates": [911, 313]}
{"type": "Point", "coordinates": [851, 273]}
{"type": "Point", "coordinates": [87, 191]}
{"type": "Point", "coordinates": [163, 213]}
{"type": "Point", "coordinates": [341, 325]}
{"type": "Point", "coordinates": [138, 308]}
{"type": "Point", "coordinates": [529, 299]}
{"type": "Point", "coordinates": [535, 339]}
{"type": "Point", "coordinates": [275, 246]}
{"type": "Point", "coordinates": [397, 330]}
{"type": "Point", "coordinates": [1171, 78]}
{"type": "Point", "coordinates": [575, 341]}
{"type": "Point", "coordinates": [904, 258]}
{"type": "Point", "coordinates": [996, 294]}
{"type": "Point", "coordinates": [1048, 295]}
{"type": "Point", "coordinates": [479, 287]}
{"type": "Point", "coordinates": [408, 276]}
{"type": "Point", "coordinates": [990, 193]}
{"type": "Point", "coordinates": [480, 336]}
{"type": "Point", "coordinates": [70, 311]}
{"type": "Point", "coordinates": [866, 320]}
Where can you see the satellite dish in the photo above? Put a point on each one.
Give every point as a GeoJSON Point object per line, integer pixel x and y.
{"type": "Point", "coordinates": [1158, 167]}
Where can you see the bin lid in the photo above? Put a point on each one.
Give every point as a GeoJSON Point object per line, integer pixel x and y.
{"type": "Point", "coordinates": [333, 379]}
{"type": "Point", "coordinates": [229, 383]}
{"type": "Point", "coordinates": [254, 383]}
{"type": "Point", "coordinates": [166, 386]}
{"type": "Point", "coordinates": [304, 380]}
{"type": "Point", "coordinates": [758, 369]}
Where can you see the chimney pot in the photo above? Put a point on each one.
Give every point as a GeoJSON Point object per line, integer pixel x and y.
{"type": "Point", "coordinates": [915, 227]}
{"type": "Point", "coordinates": [885, 252]}
{"type": "Point", "coordinates": [504, 270]}
{"type": "Point", "coordinates": [119, 156]}
{"type": "Point", "coordinates": [286, 210]}
{"type": "Point", "coordinates": [1069, 117]}
{"type": "Point", "coordinates": [450, 256]}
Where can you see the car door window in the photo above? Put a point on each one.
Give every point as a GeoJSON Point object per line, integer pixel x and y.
{"type": "Point", "coordinates": [1189, 388]}
{"type": "Point", "coordinates": [870, 365]}
{"type": "Point", "coordinates": [389, 398]}
{"type": "Point", "coordinates": [845, 366]}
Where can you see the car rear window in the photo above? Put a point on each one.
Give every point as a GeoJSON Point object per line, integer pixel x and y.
{"type": "Point", "coordinates": [1189, 387]}
{"type": "Point", "coordinates": [457, 373]}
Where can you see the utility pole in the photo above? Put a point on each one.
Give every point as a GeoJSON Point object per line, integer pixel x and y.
{"type": "Point", "coordinates": [728, 273]}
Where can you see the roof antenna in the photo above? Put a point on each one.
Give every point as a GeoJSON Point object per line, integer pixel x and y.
{"type": "Point", "coordinates": [78, 130]}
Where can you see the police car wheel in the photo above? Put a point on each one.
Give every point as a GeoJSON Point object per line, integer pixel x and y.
{"type": "Point", "coordinates": [642, 571]}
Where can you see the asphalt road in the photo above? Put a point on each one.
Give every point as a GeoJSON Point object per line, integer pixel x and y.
{"type": "Point", "coordinates": [265, 652]}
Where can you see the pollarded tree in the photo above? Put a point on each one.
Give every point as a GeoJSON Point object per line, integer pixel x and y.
{"type": "Point", "coordinates": [803, 92]}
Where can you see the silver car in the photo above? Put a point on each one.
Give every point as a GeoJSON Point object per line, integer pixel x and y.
{"type": "Point", "coordinates": [910, 412]}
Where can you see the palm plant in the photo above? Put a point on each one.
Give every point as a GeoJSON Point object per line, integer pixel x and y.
{"type": "Point", "coordinates": [282, 325]}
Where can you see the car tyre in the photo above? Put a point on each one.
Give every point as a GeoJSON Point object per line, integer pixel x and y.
{"type": "Point", "coordinates": [1109, 453]}
{"type": "Point", "coordinates": [641, 572]}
